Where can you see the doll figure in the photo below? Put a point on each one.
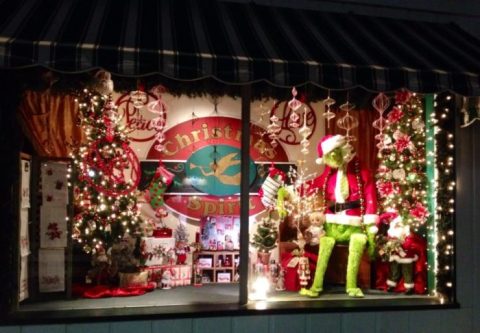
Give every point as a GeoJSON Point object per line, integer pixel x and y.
{"type": "Point", "coordinates": [166, 279]}
{"type": "Point", "coordinates": [229, 246]}
{"type": "Point", "coordinates": [181, 251]}
{"type": "Point", "coordinates": [171, 257]}
{"type": "Point", "coordinates": [280, 285]}
{"type": "Point", "coordinates": [402, 255]}
{"type": "Point", "coordinates": [315, 230]}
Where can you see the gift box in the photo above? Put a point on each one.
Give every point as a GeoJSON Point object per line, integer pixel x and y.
{"type": "Point", "coordinates": [162, 233]}
{"type": "Point", "coordinates": [133, 280]}
{"type": "Point", "coordinates": [181, 274]}
{"type": "Point", "coordinates": [155, 250]}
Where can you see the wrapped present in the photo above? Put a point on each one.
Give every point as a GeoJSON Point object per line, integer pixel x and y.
{"type": "Point", "coordinates": [133, 280]}
{"type": "Point", "coordinates": [162, 233]}
{"type": "Point", "coordinates": [181, 275]}
{"type": "Point", "coordinates": [155, 250]}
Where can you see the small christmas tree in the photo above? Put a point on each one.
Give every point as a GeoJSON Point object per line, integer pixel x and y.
{"type": "Point", "coordinates": [401, 176]}
{"type": "Point", "coordinates": [181, 233]}
{"type": "Point", "coordinates": [265, 238]}
{"type": "Point", "coordinates": [105, 176]}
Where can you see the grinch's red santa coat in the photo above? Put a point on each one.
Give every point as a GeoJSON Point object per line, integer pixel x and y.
{"type": "Point", "coordinates": [354, 204]}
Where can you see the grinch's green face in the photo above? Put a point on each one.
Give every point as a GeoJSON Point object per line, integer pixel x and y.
{"type": "Point", "coordinates": [335, 158]}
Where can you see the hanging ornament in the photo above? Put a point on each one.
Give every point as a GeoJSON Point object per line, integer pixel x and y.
{"type": "Point", "coordinates": [380, 103]}
{"type": "Point", "coordinates": [273, 129]}
{"type": "Point", "coordinates": [328, 114]}
{"type": "Point", "coordinates": [305, 132]}
{"type": "Point", "coordinates": [110, 118]}
{"type": "Point", "coordinates": [139, 97]}
{"type": "Point", "coordinates": [159, 108]}
{"type": "Point", "coordinates": [294, 104]}
{"type": "Point", "coordinates": [347, 122]}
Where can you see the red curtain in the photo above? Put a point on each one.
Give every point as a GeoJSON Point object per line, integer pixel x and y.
{"type": "Point", "coordinates": [365, 144]}
{"type": "Point", "coordinates": [49, 122]}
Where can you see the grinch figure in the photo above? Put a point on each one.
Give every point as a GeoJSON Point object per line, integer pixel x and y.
{"type": "Point", "coordinates": [350, 205]}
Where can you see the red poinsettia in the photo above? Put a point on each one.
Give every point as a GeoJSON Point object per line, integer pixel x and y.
{"type": "Point", "coordinates": [420, 212]}
{"type": "Point", "coordinates": [395, 115]}
{"type": "Point", "coordinates": [402, 96]}
{"type": "Point", "coordinates": [387, 188]}
{"type": "Point", "coordinates": [402, 142]}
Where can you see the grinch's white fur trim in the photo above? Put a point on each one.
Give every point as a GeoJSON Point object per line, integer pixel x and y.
{"type": "Point", "coordinates": [332, 143]}
{"type": "Point", "coordinates": [408, 285]}
{"type": "Point", "coordinates": [391, 283]}
{"type": "Point", "coordinates": [401, 260]}
{"type": "Point", "coordinates": [370, 219]}
{"type": "Point", "coordinates": [344, 219]}
{"type": "Point", "coordinates": [319, 160]}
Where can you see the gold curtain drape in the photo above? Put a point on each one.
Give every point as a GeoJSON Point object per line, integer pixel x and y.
{"type": "Point", "coordinates": [365, 144]}
{"type": "Point", "coordinates": [48, 120]}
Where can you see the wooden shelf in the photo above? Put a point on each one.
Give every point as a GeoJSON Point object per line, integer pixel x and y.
{"type": "Point", "coordinates": [213, 258]}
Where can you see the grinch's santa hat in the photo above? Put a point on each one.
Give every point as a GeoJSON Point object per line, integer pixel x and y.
{"type": "Point", "coordinates": [327, 144]}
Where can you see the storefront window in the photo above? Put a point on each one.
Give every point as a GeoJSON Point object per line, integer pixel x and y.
{"type": "Point", "coordinates": [358, 199]}
{"type": "Point", "coordinates": [134, 198]}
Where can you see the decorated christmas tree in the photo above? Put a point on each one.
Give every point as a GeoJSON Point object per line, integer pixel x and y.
{"type": "Point", "coordinates": [265, 238]}
{"type": "Point", "coordinates": [105, 176]}
{"type": "Point", "coordinates": [401, 176]}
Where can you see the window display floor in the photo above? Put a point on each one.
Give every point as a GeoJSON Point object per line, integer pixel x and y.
{"type": "Point", "coordinates": [212, 294]}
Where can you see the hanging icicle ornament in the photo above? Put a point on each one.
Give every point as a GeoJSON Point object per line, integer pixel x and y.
{"type": "Point", "coordinates": [294, 104]}
{"type": "Point", "coordinates": [347, 122]}
{"type": "Point", "coordinates": [139, 97]}
{"type": "Point", "coordinates": [159, 108]}
{"type": "Point", "coordinates": [328, 114]}
{"type": "Point", "coordinates": [381, 103]}
{"type": "Point", "coordinates": [305, 132]}
{"type": "Point", "coordinates": [273, 129]}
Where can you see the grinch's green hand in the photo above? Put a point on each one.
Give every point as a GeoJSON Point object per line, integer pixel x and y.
{"type": "Point", "coordinates": [282, 195]}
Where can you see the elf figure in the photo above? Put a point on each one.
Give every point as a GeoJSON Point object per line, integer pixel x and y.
{"type": "Point", "coordinates": [350, 205]}
{"type": "Point", "coordinates": [315, 231]}
{"type": "Point", "coordinates": [401, 252]}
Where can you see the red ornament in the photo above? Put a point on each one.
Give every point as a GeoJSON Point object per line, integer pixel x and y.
{"type": "Point", "coordinates": [120, 169]}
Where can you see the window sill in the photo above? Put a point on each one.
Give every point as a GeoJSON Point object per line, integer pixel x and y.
{"type": "Point", "coordinates": [132, 308]}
